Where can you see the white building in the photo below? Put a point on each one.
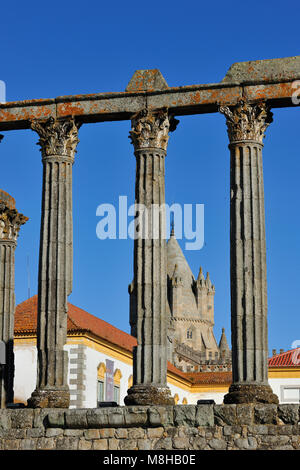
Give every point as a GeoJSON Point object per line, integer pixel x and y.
{"type": "Point", "coordinates": [100, 364]}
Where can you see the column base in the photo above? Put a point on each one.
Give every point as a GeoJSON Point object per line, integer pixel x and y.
{"type": "Point", "coordinates": [47, 398]}
{"type": "Point", "coordinates": [149, 395]}
{"type": "Point", "coordinates": [250, 393]}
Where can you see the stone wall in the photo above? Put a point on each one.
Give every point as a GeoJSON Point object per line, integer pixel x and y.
{"type": "Point", "coordinates": [217, 427]}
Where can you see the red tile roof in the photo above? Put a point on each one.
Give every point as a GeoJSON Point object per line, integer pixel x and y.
{"type": "Point", "coordinates": [210, 377]}
{"type": "Point", "coordinates": [78, 320]}
{"type": "Point", "coordinates": [286, 359]}
{"type": "Point", "coordinates": [81, 321]}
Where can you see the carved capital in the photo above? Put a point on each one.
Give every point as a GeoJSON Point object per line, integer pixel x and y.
{"type": "Point", "coordinates": [247, 121]}
{"type": "Point", "coordinates": [10, 223]}
{"type": "Point", "coordinates": [150, 129]}
{"type": "Point", "coordinates": [57, 137]}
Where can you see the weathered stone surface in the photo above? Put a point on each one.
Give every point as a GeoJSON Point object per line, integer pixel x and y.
{"type": "Point", "coordinates": [265, 414]}
{"type": "Point", "coordinates": [58, 140]}
{"type": "Point", "coordinates": [54, 418]}
{"type": "Point", "coordinates": [22, 419]}
{"type": "Point", "coordinates": [246, 124]}
{"type": "Point", "coordinates": [136, 416]}
{"type": "Point", "coordinates": [76, 419]}
{"type": "Point", "coordinates": [97, 418]}
{"type": "Point", "coordinates": [204, 415]}
{"type": "Point", "coordinates": [160, 415]}
{"type": "Point", "coordinates": [289, 414]}
{"type": "Point", "coordinates": [183, 434]}
{"type": "Point", "coordinates": [225, 414]}
{"type": "Point", "coordinates": [185, 415]}
{"type": "Point", "coordinates": [148, 318]}
{"type": "Point", "coordinates": [10, 223]}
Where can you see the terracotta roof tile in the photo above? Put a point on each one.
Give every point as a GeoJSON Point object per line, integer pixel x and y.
{"type": "Point", "coordinates": [78, 320]}
{"type": "Point", "coordinates": [286, 359]}
{"type": "Point", "coordinates": [210, 377]}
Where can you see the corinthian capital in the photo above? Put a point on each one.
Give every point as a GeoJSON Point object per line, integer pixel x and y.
{"type": "Point", "coordinates": [150, 129]}
{"type": "Point", "coordinates": [247, 121]}
{"type": "Point", "coordinates": [57, 137]}
{"type": "Point", "coordinates": [10, 223]}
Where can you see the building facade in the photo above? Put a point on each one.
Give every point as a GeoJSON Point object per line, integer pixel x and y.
{"type": "Point", "coordinates": [100, 364]}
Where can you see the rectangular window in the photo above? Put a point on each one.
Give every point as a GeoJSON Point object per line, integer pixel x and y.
{"type": "Point", "coordinates": [116, 394]}
{"type": "Point", "coordinates": [100, 391]}
{"type": "Point", "coordinates": [291, 394]}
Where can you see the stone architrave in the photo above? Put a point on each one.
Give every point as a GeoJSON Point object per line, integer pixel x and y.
{"type": "Point", "coordinates": [246, 125]}
{"type": "Point", "coordinates": [148, 291]}
{"type": "Point", "coordinates": [58, 141]}
{"type": "Point", "coordinates": [10, 223]}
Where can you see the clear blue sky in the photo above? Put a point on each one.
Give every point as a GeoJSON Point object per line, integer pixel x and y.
{"type": "Point", "coordinates": [58, 48]}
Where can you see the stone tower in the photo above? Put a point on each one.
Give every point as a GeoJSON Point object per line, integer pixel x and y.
{"type": "Point", "coordinates": [190, 308]}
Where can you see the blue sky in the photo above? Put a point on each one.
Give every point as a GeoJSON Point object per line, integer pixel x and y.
{"type": "Point", "coordinates": [59, 48]}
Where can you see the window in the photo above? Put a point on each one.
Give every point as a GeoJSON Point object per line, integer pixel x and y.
{"type": "Point", "coordinates": [100, 382]}
{"type": "Point", "coordinates": [189, 333]}
{"type": "Point", "coordinates": [290, 394]}
{"type": "Point", "coordinates": [100, 391]}
{"type": "Point", "coordinates": [117, 394]}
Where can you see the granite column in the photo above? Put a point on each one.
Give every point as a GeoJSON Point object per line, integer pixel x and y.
{"type": "Point", "coordinates": [148, 292]}
{"type": "Point", "coordinates": [58, 140]}
{"type": "Point", "coordinates": [10, 222]}
{"type": "Point", "coordinates": [246, 125]}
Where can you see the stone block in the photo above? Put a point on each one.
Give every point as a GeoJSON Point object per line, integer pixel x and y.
{"type": "Point", "coordinates": [76, 419]}
{"type": "Point", "coordinates": [217, 444]}
{"type": "Point", "coordinates": [160, 415]}
{"type": "Point", "coordinates": [84, 445]}
{"type": "Point", "coordinates": [185, 415]}
{"type": "Point", "coordinates": [225, 414]}
{"type": "Point", "coordinates": [163, 444]}
{"type": "Point", "coordinates": [92, 434]}
{"type": "Point", "coordinates": [22, 418]}
{"type": "Point", "coordinates": [121, 433]}
{"type": "Point", "coordinates": [199, 443]}
{"type": "Point", "coordinates": [144, 444]}
{"type": "Point", "coordinates": [100, 444]}
{"type": "Point", "coordinates": [128, 444]}
{"type": "Point", "coordinates": [5, 419]}
{"type": "Point", "coordinates": [113, 444]}
{"type": "Point", "coordinates": [136, 433]}
{"type": "Point", "coordinates": [155, 433]}
{"type": "Point", "coordinates": [106, 433]}
{"type": "Point", "coordinates": [136, 415]}
{"type": "Point", "coordinates": [245, 414]}
{"type": "Point", "coordinates": [55, 419]}
{"type": "Point", "coordinates": [265, 414]}
{"type": "Point", "coordinates": [45, 443]}
{"type": "Point", "coordinates": [288, 413]}
{"type": "Point", "coordinates": [181, 443]}
{"type": "Point", "coordinates": [67, 443]}
{"type": "Point", "coordinates": [204, 415]}
{"type": "Point", "coordinates": [54, 432]}
{"type": "Point", "coordinates": [97, 417]}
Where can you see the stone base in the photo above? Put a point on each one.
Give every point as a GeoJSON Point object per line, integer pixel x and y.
{"type": "Point", "coordinates": [45, 398]}
{"type": "Point", "coordinates": [250, 393]}
{"type": "Point", "coordinates": [149, 395]}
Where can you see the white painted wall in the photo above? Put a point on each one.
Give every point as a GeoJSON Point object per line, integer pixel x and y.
{"type": "Point", "coordinates": [26, 367]}
{"type": "Point", "coordinates": [25, 371]}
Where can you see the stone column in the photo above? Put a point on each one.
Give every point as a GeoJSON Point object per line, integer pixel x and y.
{"type": "Point", "coordinates": [246, 125]}
{"type": "Point", "coordinates": [148, 317]}
{"type": "Point", "coordinates": [58, 140]}
{"type": "Point", "coordinates": [10, 222]}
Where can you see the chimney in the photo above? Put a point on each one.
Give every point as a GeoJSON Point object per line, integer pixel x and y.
{"type": "Point", "coordinates": [281, 351]}
{"type": "Point", "coordinates": [274, 352]}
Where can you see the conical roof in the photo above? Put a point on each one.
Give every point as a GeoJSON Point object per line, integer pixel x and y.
{"type": "Point", "coordinates": [176, 258]}
{"type": "Point", "coordinates": [177, 266]}
{"type": "Point", "coordinates": [223, 345]}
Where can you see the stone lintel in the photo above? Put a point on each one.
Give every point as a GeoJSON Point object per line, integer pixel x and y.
{"type": "Point", "coordinates": [269, 80]}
